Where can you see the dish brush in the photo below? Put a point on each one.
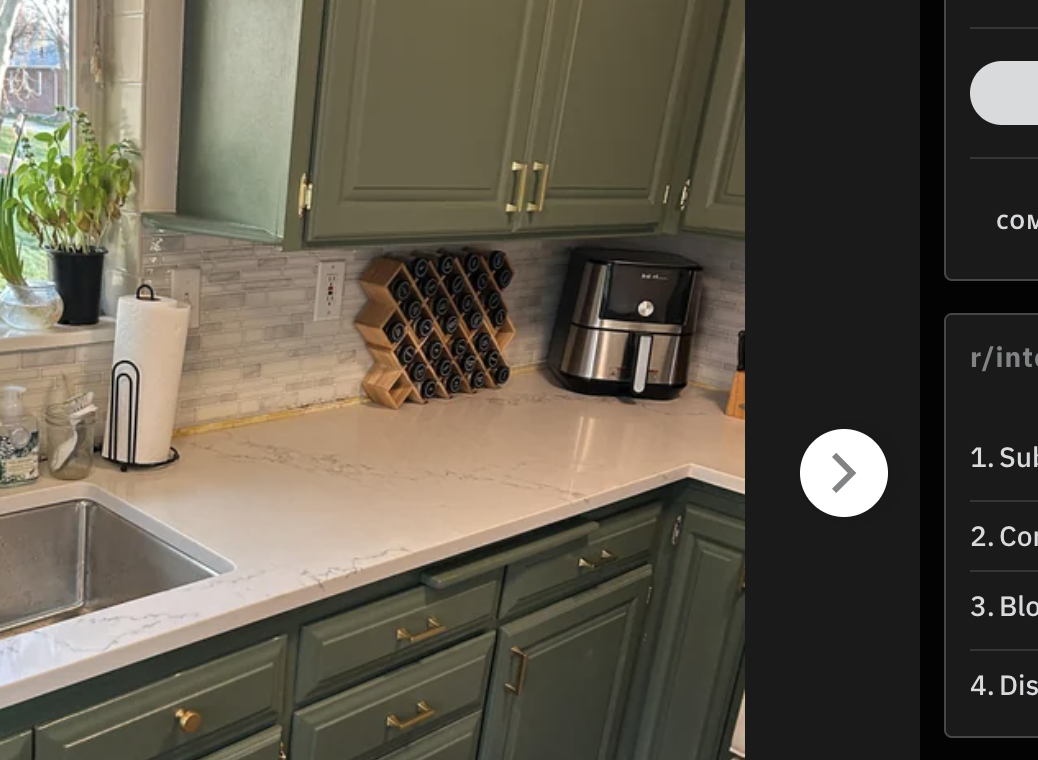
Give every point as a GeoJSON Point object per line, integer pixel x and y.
{"type": "Point", "coordinates": [77, 408]}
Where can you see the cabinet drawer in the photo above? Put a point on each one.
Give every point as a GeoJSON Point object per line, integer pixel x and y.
{"type": "Point", "coordinates": [388, 712]}
{"type": "Point", "coordinates": [347, 648]}
{"type": "Point", "coordinates": [619, 543]}
{"type": "Point", "coordinates": [264, 746]}
{"type": "Point", "coordinates": [458, 741]}
{"type": "Point", "coordinates": [16, 747]}
{"type": "Point", "coordinates": [229, 697]}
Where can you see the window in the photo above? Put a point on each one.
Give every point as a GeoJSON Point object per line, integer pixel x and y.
{"type": "Point", "coordinates": [37, 43]}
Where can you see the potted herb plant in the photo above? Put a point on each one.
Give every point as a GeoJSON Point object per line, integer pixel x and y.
{"type": "Point", "coordinates": [24, 304]}
{"type": "Point", "coordinates": [68, 201]}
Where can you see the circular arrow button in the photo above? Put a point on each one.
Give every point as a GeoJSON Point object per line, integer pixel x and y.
{"type": "Point", "coordinates": [843, 473]}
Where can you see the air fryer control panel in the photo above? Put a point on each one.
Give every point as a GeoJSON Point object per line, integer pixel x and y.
{"type": "Point", "coordinates": [652, 295]}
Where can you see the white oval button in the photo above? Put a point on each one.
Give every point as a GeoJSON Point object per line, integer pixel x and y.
{"type": "Point", "coordinates": [1006, 92]}
{"type": "Point", "coordinates": [843, 473]}
{"type": "Point", "coordinates": [645, 308]}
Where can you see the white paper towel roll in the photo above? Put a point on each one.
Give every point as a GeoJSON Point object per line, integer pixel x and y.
{"type": "Point", "coordinates": [152, 334]}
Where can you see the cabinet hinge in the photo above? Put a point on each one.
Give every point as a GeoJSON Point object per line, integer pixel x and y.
{"type": "Point", "coordinates": [684, 194]}
{"type": "Point", "coordinates": [306, 195]}
{"type": "Point", "coordinates": [675, 532]}
{"type": "Point", "coordinates": [648, 596]}
{"type": "Point", "coordinates": [666, 194]}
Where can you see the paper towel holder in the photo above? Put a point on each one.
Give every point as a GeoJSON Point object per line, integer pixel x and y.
{"type": "Point", "coordinates": [126, 377]}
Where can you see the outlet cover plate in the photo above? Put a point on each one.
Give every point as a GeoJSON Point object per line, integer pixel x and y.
{"type": "Point", "coordinates": [187, 288]}
{"type": "Point", "coordinates": [331, 278]}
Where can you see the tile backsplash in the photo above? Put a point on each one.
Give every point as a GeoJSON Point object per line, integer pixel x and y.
{"type": "Point", "coordinates": [258, 349]}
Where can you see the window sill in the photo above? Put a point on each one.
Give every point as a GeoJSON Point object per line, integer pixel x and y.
{"type": "Point", "coordinates": [59, 336]}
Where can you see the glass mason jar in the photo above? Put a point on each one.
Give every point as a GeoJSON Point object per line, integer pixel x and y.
{"type": "Point", "coordinates": [69, 443]}
{"type": "Point", "coordinates": [33, 306]}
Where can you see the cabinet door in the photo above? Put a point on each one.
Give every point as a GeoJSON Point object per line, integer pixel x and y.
{"type": "Point", "coordinates": [700, 643]}
{"type": "Point", "coordinates": [561, 675]}
{"type": "Point", "coordinates": [16, 747]}
{"type": "Point", "coordinates": [607, 114]}
{"type": "Point", "coordinates": [265, 746]}
{"type": "Point", "coordinates": [422, 108]}
{"type": "Point", "coordinates": [717, 193]}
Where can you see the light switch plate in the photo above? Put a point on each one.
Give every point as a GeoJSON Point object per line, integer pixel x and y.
{"type": "Point", "coordinates": [187, 288]}
{"type": "Point", "coordinates": [331, 278]}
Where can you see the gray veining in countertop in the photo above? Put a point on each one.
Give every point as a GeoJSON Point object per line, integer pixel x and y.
{"type": "Point", "coordinates": [319, 504]}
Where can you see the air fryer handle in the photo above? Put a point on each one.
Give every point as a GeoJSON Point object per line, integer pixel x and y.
{"type": "Point", "coordinates": [643, 349]}
{"type": "Point", "coordinates": [742, 351]}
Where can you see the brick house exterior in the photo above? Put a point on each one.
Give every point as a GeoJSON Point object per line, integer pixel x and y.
{"type": "Point", "coordinates": [35, 82]}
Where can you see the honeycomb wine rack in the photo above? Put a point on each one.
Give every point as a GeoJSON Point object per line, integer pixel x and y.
{"type": "Point", "coordinates": [436, 325]}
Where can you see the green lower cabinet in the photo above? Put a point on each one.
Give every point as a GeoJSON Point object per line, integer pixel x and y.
{"type": "Point", "coordinates": [458, 741]}
{"type": "Point", "coordinates": [717, 190]}
{"type": "Point", "coordinates": [700, 644]}
{"type": "Point", "coordinates": [265, 746]}
{"type": "Point", "coordinates": [184, 716]}
{"type": "Point", "coordinates": [17, 747]}
{"type": "Point", "coordinates": [561, 675]}
{"type": "Point", "coordinates": [732, 748]}
{"type": "Point", "coordinates": [394, 710]}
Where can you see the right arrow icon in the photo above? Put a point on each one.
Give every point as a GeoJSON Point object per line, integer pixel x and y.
{"type": "Point", "coordinates": [849, 470]}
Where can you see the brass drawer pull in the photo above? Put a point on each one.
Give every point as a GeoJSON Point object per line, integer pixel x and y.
{"type": "Point", "coordinates": [524, 662]}
{"type": "Point", "coordinates": [435, 628]}
{"type": "Point", "coordinates": [424, 713]}
{"type": "Point", "coordinates": [605, 556]}
{"type": "Point", "coordinates": [188, 720]}
{"type": "Point", "coordinates": [541, 170]}
{"type": "Point", "coordinates": [519, 169]}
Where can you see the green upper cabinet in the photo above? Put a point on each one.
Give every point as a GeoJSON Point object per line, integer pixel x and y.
{"type": "Point", "coordinates": [716, 199]}
{"type": "Point", "coordinates": [422, 110]}
{"type": "Point", "coordinates": [315, 123]}
{"type": "Point", "coordinates": [561, 675]}
{"type": "Point", "coordinates": [608, 113]}
{"type": "Point", "coordinates": [700, 641]}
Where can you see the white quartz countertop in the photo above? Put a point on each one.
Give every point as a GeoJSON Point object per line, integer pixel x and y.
{"type": "Point", "coordinates": [311, 506]}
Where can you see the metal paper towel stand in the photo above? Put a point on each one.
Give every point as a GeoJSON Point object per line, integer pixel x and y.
{"type": "Point", "coordinates": [126, 378]}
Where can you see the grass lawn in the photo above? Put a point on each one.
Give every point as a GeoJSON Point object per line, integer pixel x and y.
{"type": "Point", "coordinates": [7, 133]}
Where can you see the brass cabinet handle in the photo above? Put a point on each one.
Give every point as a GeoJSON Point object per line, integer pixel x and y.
{"type": "Point", "coordinates": [188, 720]}
{"type": "Point", "coordinates": [604, 556]}
{"type": "Point", "coordinates": [520, 169]}
{"type": "Point", "coordinates": [435, 628]}
{"type": "Point", "coordinates": [524, 662]}
{"type": "Point", "coordinates": [424, 713]}
{"type": "Point", "coordinates": [542, 187]}
{"type": "Point", "coordinates": [742, 578]}
{"type": "Point", "coordinates": [282, 752]}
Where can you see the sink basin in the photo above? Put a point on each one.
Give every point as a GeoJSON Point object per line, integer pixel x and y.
{"type": "Point", "coordinates": [67, 559]}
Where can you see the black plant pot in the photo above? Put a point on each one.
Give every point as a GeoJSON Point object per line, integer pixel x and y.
{"type": "Point", "coordinates": [77, 277]}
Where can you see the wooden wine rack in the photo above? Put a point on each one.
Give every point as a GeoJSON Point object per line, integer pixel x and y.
{"type": "Point", "coordinates": [388, 383]}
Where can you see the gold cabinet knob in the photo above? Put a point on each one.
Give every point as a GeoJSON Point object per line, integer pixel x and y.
{"type": "Point", "coordinates": [189, 721]}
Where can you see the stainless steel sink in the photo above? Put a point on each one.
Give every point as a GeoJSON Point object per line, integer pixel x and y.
{"type": "Point", "coordinates": [63, 560]}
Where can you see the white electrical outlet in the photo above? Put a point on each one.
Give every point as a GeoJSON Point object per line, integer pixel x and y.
{"type": "Point", "coordinates": [331, 277]}
{"type": "Point", "coordinates": [187, 288]}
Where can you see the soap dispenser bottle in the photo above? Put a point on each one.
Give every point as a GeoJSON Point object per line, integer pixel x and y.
{"type": "Point", "coordinates": [19, 440]}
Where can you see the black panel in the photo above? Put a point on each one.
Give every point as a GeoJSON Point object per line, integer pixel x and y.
{"type": "Point", "coordinates": [668, 289]}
